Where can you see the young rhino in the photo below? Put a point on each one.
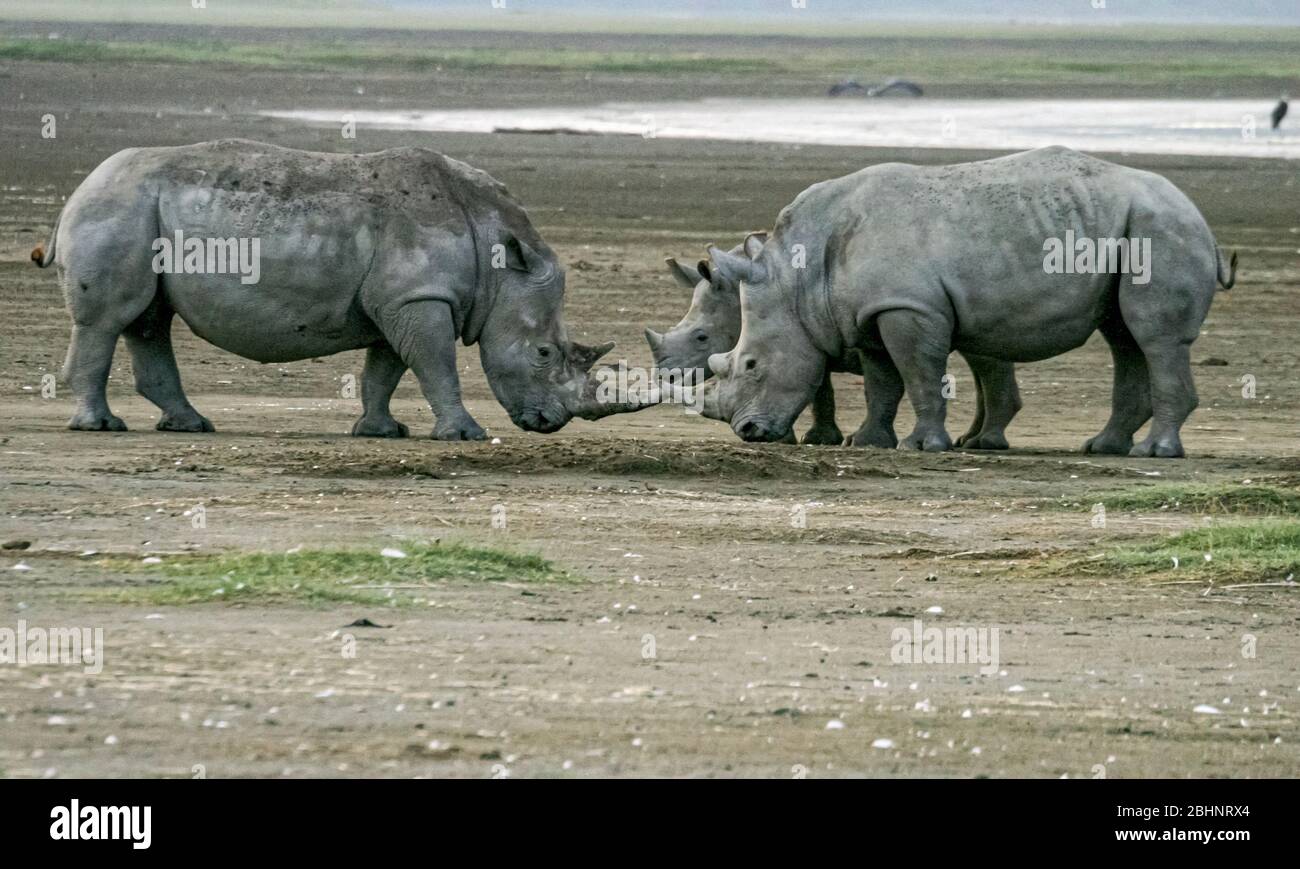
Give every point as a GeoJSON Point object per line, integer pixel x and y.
{"type": "Point", "coordinates": [712, 325]}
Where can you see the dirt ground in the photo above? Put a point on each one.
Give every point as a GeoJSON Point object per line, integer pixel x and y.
{"type": "Point", "coordinates": [771, 642]}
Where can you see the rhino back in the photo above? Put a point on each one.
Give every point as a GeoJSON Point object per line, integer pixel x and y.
{"type": "Point", "coordinates": [322, 222]}
{"type": "Point", "coordinates": [970, 238]}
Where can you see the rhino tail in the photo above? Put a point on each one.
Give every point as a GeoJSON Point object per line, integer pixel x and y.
{"type": "Point", "coordinates": [1231, 277]}
{"type": "Point", "coordinates": [43, 254]}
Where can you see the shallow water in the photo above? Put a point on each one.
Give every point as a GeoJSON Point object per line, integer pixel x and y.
{"type": "Point", "coordinates": [1211, 127]}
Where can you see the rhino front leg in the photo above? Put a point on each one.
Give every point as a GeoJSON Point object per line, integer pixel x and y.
{"type": "Point", "coordinates": [424, 335]}
{"type": "Point", "coordinates": [919, 346]}
{"type": "Point", "coordinates": [883, 386]}
{"type": "Point", "coordinates": [824, 429]}
{"type": "Point", "coordinates": [149, 339]}
{"type": "Point", "coordinates": [383, 371]}
{"type": "Point", "coordinates": [999, 400]}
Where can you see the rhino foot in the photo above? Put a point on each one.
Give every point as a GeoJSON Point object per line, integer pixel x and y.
{"type": "Point", "coordinates": [990, 441]}
{"type": "Point", "coordinates": [1164, 448]}
{"type": "Point", "coordinates": [460, 429]}
{"type": "Point", "coordinates": [828, 435]}
{"type": "Point", "coordinates": [379, 427]}
{"type": "Point", "coordinates": [190, 420]}
{"type": "Point", "coordinates": [1108, 444]}
{"type": "Point", "coordinates": [84, 420]}
{"type": "Point", "coordinates": [873, 437]}
{"type": "Point", "coordinates": [930, 442]}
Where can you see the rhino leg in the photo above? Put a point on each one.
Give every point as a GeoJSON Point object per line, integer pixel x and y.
{"type": "Point", "coordinates": [883, 386]}
{"type": "Point", "coordinates": [424, 335]}
{"type": "Point", "coordinates": [999, 402]}
{"type": "Point", "coordinates": [824, 429]}
{"type": "Point", "coordinates": [149, 339]}
{"type": "Point", "coordinates": [383, 371]}
{"type": "Point", "coordinates": [1173, 396]}
{"type": "Point", "coordinates": [90, 355]}
{"type": "Point", "coordinates": [919, 346]}
{"type": "Point", "coordinates": [1130, 400]}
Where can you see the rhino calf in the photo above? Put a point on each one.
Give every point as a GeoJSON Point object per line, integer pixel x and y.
{"type": "Point", "coordinates": [907, 263]}
{"type": "Point", "coordinates": [401, 252]}
{"type": "Point", "coordinates": [712, 325]}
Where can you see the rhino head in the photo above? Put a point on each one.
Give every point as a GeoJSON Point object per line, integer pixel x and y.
{"type": "Point", "coordinates": [536, 372]}
{"type": "Point", "coordinates": [711, 324]}
{"type": "Point", "coordinates": [768, 378]}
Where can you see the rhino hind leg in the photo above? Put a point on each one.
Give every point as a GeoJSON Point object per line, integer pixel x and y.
{"type": "Point", "coordinates": [1173, 397]}
{"type": "Point", "coordinates": [919, 346]}
{"type": "Point", "coordinates": [883, 386]}
{"type": "Point", "coordinates": [1130, 394]}
{"type": "Point", "coordinates": [999, 402]}
{"type": "Point", "coordinates": [424, 334]}
{"type": "Point", "coordinates": [90, 356]}
{"type": "Point", "coordinates": [153, 362]}
{"type": "Point", "coordinates": [824, 430]}
{"type": "Point", "coordinates": [383, 371]}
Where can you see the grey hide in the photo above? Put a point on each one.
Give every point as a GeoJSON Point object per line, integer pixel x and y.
{"type": "Point", "coordinates": [712, 325]}
{"type": "Point", "coordinates": [906, 263]}
{"type": "Point", "coordinates": [401, 252]}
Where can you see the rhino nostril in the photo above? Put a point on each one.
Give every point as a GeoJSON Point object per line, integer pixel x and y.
{"type": "Point", "coordinates": [748, 430]}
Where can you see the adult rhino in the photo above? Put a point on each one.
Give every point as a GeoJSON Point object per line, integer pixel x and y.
{"type": "Point", "coordinates": [401, 252]}
{"type": "Point", "coordinates": [906, 263]}
{"type": "Point", "coordinates": [712, 325]}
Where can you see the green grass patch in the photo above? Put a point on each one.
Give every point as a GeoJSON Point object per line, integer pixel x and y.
{"type": "Point", "coordinates": [1260, 551]}
{"type": "Point", "coordinates": [322, 576]}
{"type": "Point", "coordinates": [1232, 500]}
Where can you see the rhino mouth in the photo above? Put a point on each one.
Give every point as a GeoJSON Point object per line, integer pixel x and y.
{"type": "Point", "coordinates": [756, 429]}
{"type": "Point", "coordinates": [539, 421]}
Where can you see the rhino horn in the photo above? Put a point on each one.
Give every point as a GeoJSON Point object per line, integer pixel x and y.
{"type": "Point", "coordinates": [591, 405]}
{"type": "Point", "coordinates": [654, 339]}
{"type": "Point", "coordinates": [583, 357]}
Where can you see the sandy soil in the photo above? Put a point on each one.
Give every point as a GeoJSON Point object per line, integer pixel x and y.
{"type": "Point", "coordinates": [764, 632]}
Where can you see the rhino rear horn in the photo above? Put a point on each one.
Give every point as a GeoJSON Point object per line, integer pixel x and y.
{"type": "Point", "coordinates": [583, 357]}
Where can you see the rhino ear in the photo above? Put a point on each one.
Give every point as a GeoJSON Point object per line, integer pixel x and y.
{"type": "Point", "coordinates": [720, 364]}
{"type": "Point", "coordinates": [583, 357]}
{"type": "Point", "coordinates": [754, 244]}
{"type": "Point", "coordinates": [733, 268]}
{"type": "Point", "coordinates": [521, 257]}
{"type": "Point", "coordinates": [705, 270]}
{"type": "Point", "coordinates": [685, 276]}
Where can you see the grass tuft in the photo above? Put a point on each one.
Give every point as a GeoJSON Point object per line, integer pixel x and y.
{"type": "Point", "coordinates": [328, 575]}
{"type": "Point", "coordinates": [1221, 499]}
{"type": "Point", "coordinates": [1265, 550]}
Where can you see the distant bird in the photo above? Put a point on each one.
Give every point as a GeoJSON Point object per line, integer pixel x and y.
{"type": "Point", "coordinates": [1279, 112]}
{"type": "Point", "coordinates": [894, 85]}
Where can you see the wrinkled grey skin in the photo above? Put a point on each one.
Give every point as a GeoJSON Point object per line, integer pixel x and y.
{"type": "Point", "coordinates": [712, 325]}
{"type": "Point", "coordinates": [906, 263]}
{"type": "Point", "coordinates": [401, 252]}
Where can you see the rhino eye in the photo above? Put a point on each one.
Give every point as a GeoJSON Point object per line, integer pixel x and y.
{"type": "Point", "coordinates": [701, 338]}
{"type": "Point", "coordinates": [750, 364]}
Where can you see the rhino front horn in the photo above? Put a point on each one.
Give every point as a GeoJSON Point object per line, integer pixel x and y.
{"type": "Point", "coordinates": [654, 339]}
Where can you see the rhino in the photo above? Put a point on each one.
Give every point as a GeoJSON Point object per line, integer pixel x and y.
{"type": "Point", "coordinates": [712, 325]}
{"type": "Point", "coordinates": [906, 263]}
{"type": "Point", "coordinates": [401, 252]}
